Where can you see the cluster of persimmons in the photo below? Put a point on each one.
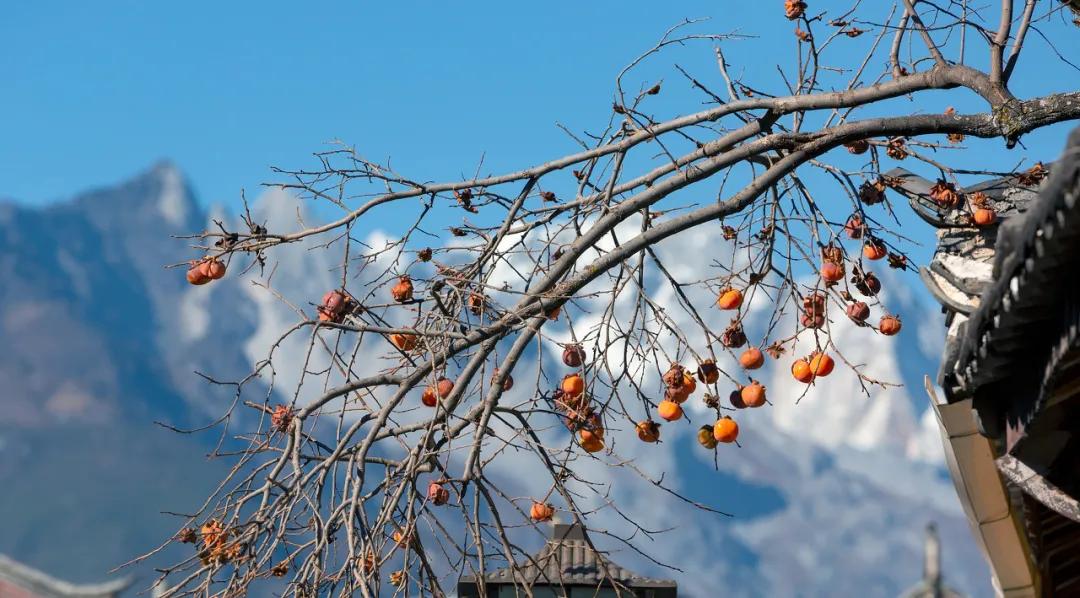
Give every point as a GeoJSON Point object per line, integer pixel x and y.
{"type": "Point", "coordinates": [571, 399]}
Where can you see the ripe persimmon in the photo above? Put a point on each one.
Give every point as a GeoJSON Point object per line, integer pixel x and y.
{"type": "Point", "coordinates": [802, 372]}
{"type": "Point", "coordinates": [648, 431]}
{"type": "Point", "coordinates": [874, 249]}
{"type": "Point", "coordinates": [984, 217]}
{"type": "Point", "coordinates": [725, 430]}
{"type": "Point", "coordinates": [573, 385]}
{"type": "Point", "coordinates": [730, 299]}
{"type": "Point", "coordinates": [832, 272]}
{"type": "Point", "coordinates": [669, 410]}
{"type": "Point", "coordinates": [430, 397]}
{"type": "Point", "coordinates": [590, 441]}
{"type": "Point", "coordinates": [752, 358]}
{"type": "Point", "coordinates": [821, 364]}
{"type": "Point", "coordinates": [445, 386]}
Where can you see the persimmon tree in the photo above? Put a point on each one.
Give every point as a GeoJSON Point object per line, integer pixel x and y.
{"type": "Point", "coordinates": [516, 312]}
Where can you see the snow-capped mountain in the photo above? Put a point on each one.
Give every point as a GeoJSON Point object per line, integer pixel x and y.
{"type": "Point", "coordinates": [829, 496]}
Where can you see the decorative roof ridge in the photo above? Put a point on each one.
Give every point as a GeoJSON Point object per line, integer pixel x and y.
{"type": "Point", "coordinates": [572, 537]}
{"type": "Point", "coordinates": [40, 581]}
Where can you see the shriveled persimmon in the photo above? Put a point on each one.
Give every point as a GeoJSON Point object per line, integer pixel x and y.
{"type": "Point", "coordinates": [282, 418]}
{"type": "Point", "coordinates": [733, 336]}
{"type": "Point", "coordinates": [402, 291]}
{"type": "Point", "coordinates": [705, 437]}
{"type": "Point", "coordinates": [334, 306]}
{"type": "Point", "coordinates": [404, 341]}
{"type": "Point", "coordinates": [812, 320]}
{"type": "Point", "coordinates": [677, 394]}
{"type": "Point", "coordinates": [573, 355]}
{"type": "Point", "coordinates": [858, 311]}
{"type": "Point", "coordinates": [205, 270]}
{"type": "Point", "coordinates": [508, 383]}
{"type": "Point", "coordinates": [753, 394]}
{"type": "Point", "coordinates": [541, 511]}
{"type": "Point", "coordinates": [674, 376]}
{"type": "Point", "coordinates": [868, 284]}
{"type": "Point", "coordinates": [707, 372]}
{"type": "Point", "coordinates": [437, 494]}
{"type": "Point", "coordinates": [794, 9]}
{"type": "Point", "coordinates": [735, 398]}
{"type": "Point", "coordinates": [854, 226]}
{"type": "Point", "coordinates": [859, 146]}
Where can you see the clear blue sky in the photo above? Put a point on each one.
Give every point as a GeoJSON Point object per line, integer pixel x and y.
{"type": "Point", "coordinates": [96, 91]}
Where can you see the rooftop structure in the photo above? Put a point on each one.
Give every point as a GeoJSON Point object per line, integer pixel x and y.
{"type": "Point", "coordinates": [1011, 371]}
{"type": "Point", "coordinates": [567, 566]}
{"type": "Point", "coordinates": [20, 581]}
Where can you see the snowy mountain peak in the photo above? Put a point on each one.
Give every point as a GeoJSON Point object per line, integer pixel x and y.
{"type": "Point", "coordinates": [174, 201]}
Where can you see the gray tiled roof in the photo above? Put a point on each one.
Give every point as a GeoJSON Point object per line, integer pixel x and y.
{"type": "Point", "coordinates": [567, 559]}
{"type": "Point", "coordinates": [1035, 263]}
{"type": "Point", "coordinates": [41, 584]}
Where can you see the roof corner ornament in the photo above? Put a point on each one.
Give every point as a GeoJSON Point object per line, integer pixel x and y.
{"type": "Point", "coordinates": [932, 584]}
{"type": "Point", "coordinates": [932, 557]}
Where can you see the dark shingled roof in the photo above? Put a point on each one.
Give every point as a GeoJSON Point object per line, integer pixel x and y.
{"type": "Point", "coordinates": [565, 560]}
{"type": "Point", "coordinates": [1019, 320]}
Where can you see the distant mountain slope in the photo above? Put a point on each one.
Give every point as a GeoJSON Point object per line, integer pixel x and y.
{"type": "Point", "coordinates": [86, 314]}
{"type": "Point", "coordinates": [830, 496]}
